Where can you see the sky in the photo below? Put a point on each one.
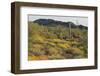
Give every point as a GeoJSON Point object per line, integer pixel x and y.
{"type": "Point", "coordinates": [75, 19]}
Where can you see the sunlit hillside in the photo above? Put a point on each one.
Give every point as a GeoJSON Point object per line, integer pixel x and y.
{"type": "Point", "coordinates": [56, 41]}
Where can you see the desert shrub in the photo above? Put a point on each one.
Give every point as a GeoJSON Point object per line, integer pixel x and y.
{"type": "Point", "coordinates": [51, 35]}
{"type": "Point", "coordinates": [63, 45]}
{"type": "Point", "coordinates": [33, 58]}
{"type": "Point", "coordinates": [52, 50]}
{"type": "Point", "coordinates": [57, 56]}
{"type": "Point", "coordinates": [38, 52]}
{"type": "Point", "coordinates": [38, 46]}
{"type": "Point", "coordinates": [41, 57]}
{"type": "Point", "coordinates": [36, 38]}
{"type": "Point", "coordinates": [77, 51]}
{"type": "Point", "coordinates": [51, 44]}
{"type": "Point", "coordinates": [74, 43]}
{"type": "Point", "coordinates": [33, 28]}
{"type": "Point", "coordinates": [73, 53]}
{"type": "Point", "coordinates": [36, 49]}
{"type": "Point", "coordinates": [57, 41]}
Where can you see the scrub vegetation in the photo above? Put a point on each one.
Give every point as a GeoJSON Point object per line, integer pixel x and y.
{"type": "Point", "coordinates": [49, 39]}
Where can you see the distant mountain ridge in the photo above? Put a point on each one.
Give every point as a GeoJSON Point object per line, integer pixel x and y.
{"type": "Point", "coordinates": [51, 22]}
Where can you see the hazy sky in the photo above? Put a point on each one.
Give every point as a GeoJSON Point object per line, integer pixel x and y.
{"type": "Point", "coordinates": [76, 19]}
